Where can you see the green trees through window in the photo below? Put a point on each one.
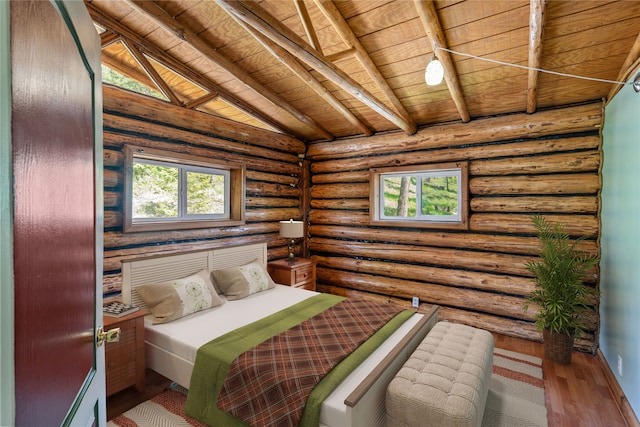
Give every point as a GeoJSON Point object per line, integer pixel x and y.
{"type": "Point", "coordinates": [420, 196]}
{"type": "Point", "coordinates": [165, 191]}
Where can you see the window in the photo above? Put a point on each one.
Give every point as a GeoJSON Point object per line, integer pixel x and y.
{"type": "Point", "coordinates": [166, 191]}
{"type": "Point", "coordinates": [420, 196]}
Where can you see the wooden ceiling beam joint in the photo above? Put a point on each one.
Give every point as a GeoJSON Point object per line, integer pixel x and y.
{"type": "Point", "coordinates": [331, 12]}
{"type": "Point", "coordinates": [166, 21]}
{"type": "Point", "coordinates": [192, 105]}
{"type": "Point", "coordinates": [108, 37]}
{"type": "Point", "coordinates": [169, 61]}
{"type": "Point", "coordinates": [153, 74]}
{"type": "Point", "coordinates": [307, 25]}
{"type": "Point", "coordinates": [263, 22]}
{"type": "Point", "coordinates": [298, 69]}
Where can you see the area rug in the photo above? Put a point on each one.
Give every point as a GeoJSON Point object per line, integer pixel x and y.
{"type": "Point", "coordinates": [516, 395]}
{"type": "Point", "coordinates": [516, 398]}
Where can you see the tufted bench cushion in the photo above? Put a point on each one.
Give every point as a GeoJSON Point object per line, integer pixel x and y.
{"type": "Point", "coordinates": [445, 381]}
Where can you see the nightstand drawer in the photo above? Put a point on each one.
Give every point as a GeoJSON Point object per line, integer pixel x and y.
{"type": "Point", "coordinates": [303, 274]}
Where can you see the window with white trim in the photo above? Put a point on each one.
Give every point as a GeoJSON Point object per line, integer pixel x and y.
{"type": "Point", "coordinates": [167, 191]}
{"type": "Point", "coordinates": [420, 196]}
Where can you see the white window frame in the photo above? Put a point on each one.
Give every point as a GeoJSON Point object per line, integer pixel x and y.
{"type": "Point", "coordinates": [234, 191]}
{"type": "Point", "coordinates": [458, 221]}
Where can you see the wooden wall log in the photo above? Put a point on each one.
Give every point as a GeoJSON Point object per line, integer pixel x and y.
{"type": "Point", "coordinates": [111, 137]}
{"type": "Point", "coordinates": [112, 158]}
{"type": "Point", "coordinates": [265, 189]}
{"type": "Point", "coordinates": [270, 202]}
{"type": "Point", "coordinates": [500, 283]}
{"type": "Point", "coordinates": [443, 257]}
{"type": "Point", "coordinates": [348, 204]}
{"type": "Point", "coordinates": [493, 303]}
{"type": "Point", "coordinates": [126, 102]}
{"type": "Point", "coordinates": [582, 118]}
{"type": "Point", "coordinates": [117, 239]}
{"type": "Point", "coordinates": [477, 276]}
{"type": "Point", "coordinates": [504, 149]}
{"type": "Point", "coordinates": [535, 204]}
{"type": "Point", "coordinates": [340, 191]}
{"type": "Point", "coordinates": [523, 245]}
{"type": "Point", "coordinates": [543, 184]}
{"type": "Point", "coordinates": [112, 219]}
{"type": "Point", "coordinates": [112, 199]}
{"type": "Point", "coordinates": [575, 225]}
{"type": "Point", "coordinates": [112, 178]}
{"type": "Point", "coordinates": [553, 163]}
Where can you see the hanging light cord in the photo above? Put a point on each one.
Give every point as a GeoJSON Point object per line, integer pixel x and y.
{"type": "Point", "coordinates": [530, 68]}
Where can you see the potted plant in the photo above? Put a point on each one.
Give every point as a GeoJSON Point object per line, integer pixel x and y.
{"type": "Point", "coordinates": [560, 292]}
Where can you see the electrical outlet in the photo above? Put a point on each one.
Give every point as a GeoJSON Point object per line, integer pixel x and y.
{"type": "Point", "coordinates": [415, 302]}
{"type": "Point", "coordinates": [619, 365]}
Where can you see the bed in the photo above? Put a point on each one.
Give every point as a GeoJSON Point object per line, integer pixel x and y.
{"type": "Point", "coordinates": [171, 348]}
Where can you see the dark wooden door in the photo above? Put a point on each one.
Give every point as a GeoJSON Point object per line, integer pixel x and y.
{"type": "Point", "coordinates": [56, 244]}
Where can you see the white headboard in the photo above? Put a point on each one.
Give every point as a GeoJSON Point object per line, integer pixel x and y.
{"type": "Point", "coordinates": [175, 266]}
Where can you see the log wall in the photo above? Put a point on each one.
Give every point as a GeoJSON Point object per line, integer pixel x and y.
{"type": "Point", "coordinates": [548, 163]}
{"type": "Point", "coordinates": [273, 180]}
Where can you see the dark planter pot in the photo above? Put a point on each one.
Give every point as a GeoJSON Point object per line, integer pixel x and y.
{"type": "Point", "coordinates": [558, 347]}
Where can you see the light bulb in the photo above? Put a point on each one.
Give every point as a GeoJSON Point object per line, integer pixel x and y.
{"type": "Point", "coordinates": [434, 73]}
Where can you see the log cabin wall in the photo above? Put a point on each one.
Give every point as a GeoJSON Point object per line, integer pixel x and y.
{"type": "Point", "coordinates": [273, 177]}
{"type": "Point", "coordinates": [547, 163]}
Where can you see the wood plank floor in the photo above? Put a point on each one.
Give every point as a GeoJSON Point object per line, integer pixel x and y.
{"type": "Point", "coordinates": [577, 395]}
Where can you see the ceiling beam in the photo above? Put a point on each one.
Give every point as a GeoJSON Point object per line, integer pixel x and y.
{"type": "Point", "coordinates": [630, 65]}
{"type": "Point", "coordinates": [177, 66]}
{"type": "Point", "coordinates": [348, 53]}
{"type": "Point", "coordinates": [299, 70]}
{"type": "Point", "coordinates": [307, 24]}
{"type": "Point", "coordinates": [262, 21]}
{"type": "Point", "coordinates": [345, 32]}
{"type": "Point", "coordinates": [537, 17]}
{"type": "Point", "coordinates": [201, 101]}
{"type": "Point", "coordinates": [107, 38]}
{"type": "Point", "coordinates": [162, 18]}
{"type": "Point", "coordinates": [431, 23]}
{"type": "Point", "coordinates": [153, 74]}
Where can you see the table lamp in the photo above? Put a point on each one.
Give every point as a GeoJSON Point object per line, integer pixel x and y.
{"type": "Point", "coordinates": [292, 230]}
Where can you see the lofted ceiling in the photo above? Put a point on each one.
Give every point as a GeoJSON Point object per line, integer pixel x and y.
{"type": "Point", "coordinates": [331, 69]}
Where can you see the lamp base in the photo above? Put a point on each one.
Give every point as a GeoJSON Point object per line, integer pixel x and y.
{"type": "Point", "coordinates": [291, 258]}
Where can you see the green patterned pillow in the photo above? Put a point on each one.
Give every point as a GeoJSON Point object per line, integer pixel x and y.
{"type": "Point", "coordinates": [239, 282]}
{"type": "Point", "coordinates": [178, 298]}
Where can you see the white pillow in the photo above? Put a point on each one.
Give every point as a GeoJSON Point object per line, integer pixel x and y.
{"type": "Point", "coordinates": [178, 298]}
{"type": "Point", "coordinates": [239, 282]}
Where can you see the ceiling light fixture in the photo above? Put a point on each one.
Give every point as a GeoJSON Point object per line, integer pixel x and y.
{"type": "Point", "coordinates": [635, 83]}
{"type": "Point", "coordinates": [434, 73]}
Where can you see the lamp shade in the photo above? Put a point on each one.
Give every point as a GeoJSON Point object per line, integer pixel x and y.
{"type": "Point", "coordinates": [291, 229]}
{"type": "Point", "coordinates": [434, 73]}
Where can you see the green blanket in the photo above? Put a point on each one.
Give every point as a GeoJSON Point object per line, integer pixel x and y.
{"type": "Point", "coordinates": [214, 358]}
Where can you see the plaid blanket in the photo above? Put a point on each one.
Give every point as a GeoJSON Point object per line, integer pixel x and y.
{"type": "Point", "coordinates": [269, 384]}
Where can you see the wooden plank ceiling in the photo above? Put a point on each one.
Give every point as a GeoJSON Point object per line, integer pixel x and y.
{"type": "Point", "coordinates": [325, 70]}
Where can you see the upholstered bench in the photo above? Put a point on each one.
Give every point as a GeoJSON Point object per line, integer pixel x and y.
{"type": "Point", "coordinates": [445, 381]}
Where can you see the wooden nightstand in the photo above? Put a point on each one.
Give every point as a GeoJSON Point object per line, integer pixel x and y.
{"type": "Point", "coordinates": [299, 274]}
{"type": "Point", "coordinates": [124, 359]}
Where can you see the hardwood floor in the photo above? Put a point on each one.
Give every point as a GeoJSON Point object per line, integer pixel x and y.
{"type": "Point", "coordinates": [577, 395]}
